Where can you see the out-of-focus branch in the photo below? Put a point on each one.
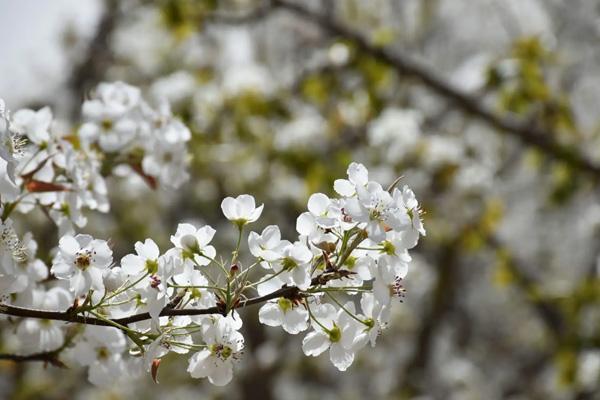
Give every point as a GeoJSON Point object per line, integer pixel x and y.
{"type": "Point", "coordinates": [405, 65]}
{"type": "Point", "coordinates": [90, 70]}
{"type": "Point", "coordinates": [49, 357]}
{"type": "Point", "coordinates": [546, 310]}
{"type": "Point", "coordinates": [443, 302]}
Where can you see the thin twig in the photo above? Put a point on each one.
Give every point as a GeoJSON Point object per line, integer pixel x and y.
{"type": "Point", "coordinates": [50, 357]}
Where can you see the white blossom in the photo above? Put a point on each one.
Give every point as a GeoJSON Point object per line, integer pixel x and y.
{"type": "Point", "coordinates": [34, 124]}
{"type": "Point", "coordinates": [268, 245]}
{"type": "Point", "coordinates": [38, 335]}
{"type": "Point", "coordinates": [294, 265]}
{"type": "Point", "coordinates": [336, 331]}
{"type": "Point", "coordinates": [82, 260]}
{"type": "Point", "coordinates": [100, 349]}
{"type": "Point", "coordinates": [194, 242]}
{"type": "Point", "coordinates": [146, 259]}
{"type": "Point", "coordinates": [224, 347]}
{"type": "Point", "coordinates": [283, 312]}
{"type": "Point", "coordinates": [241, 210]}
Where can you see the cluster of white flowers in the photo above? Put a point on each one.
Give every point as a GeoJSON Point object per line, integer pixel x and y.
{"type": "Point", "coordinates": [338, 277]}
{"type": "Point", "coordinates": [152, 140]}
{"type": "Point", "coordinates": [396, 131]}
{"type": "Point", "coordinates": [60, 172]}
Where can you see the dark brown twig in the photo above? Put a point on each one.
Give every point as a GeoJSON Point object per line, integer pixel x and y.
{"type": "Point", "coordinates": [49, 357]}
{"type": "Point", "coordinates": [6, 309]}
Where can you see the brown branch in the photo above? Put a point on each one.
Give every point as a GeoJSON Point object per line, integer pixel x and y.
{"type": "Point", "coordinates": [6, 309]}
{"type": "Point", "coordinates": [48, 357]}
{"type": "Point", "coordinates": [90, 70]}
{"type": "Point", "coordinates": [405, 65]}
{"type": "Point", "coordinates": [444, 301]}
{"type": "Point", "coordinates": [546, 310]}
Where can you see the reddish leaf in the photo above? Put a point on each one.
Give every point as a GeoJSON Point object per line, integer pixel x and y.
{"type": "Point", "coordinates": [154, 369]}
{"type": "Point", "coordinates": [150, 180]}
{"type": "Point", "coordinates": [39, 187]}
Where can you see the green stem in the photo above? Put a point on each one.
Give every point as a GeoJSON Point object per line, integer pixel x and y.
{"type": "Point", "coordinates": [132, 334]}
{"type": "Point", "coordinates": [267, 279]}
{"type": "Point", "coordinates": [196, 287]}
{"type": "Point", "coordinates": [346, 310]}
{"type": "Point", "coordinates": [205, 272]}
{"type": "Point", "coordinates": [339, 289]}
{"type": "Point", "coordinates": [245, 273]}
{"type": "Point", "coordinates": [10, 207]}
{"type": "Point", "coordinates": [360, 237]}
{"type": "Point", "coordinates": [314, 318]}
{"type": "Point", "coordinates": [236, 252]}
{"type": "Point", "coordinates": [119, 291]}
{"type": "Point", "coordinates": [216, 262]}
{"type": "Point", "coordinates": [188, 345]}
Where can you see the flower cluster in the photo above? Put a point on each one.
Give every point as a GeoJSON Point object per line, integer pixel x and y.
{"type": "Point", "coordinates": [45, 166]}
{"type": "Point", "coordinates": [151, 141]}
{"type": "Point", "coordinates": [62, 172]}
{"type": "Point", "coordinates": [337, 279]}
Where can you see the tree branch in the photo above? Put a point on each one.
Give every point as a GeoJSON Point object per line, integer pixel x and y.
{"type": "Point", "coordinates": [548, 311]}
{"type": "Point", "coordinates": [50, 357]}
{"type": "Point", "coordinates": [404, 65]}
{"type": "Point", "coordinates": [90, 70]}
{"type": "Point", "coordinates": [81, 319]}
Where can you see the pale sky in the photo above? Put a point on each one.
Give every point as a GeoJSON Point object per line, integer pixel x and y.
{"type": "Point", "coordinates": [31, 60]}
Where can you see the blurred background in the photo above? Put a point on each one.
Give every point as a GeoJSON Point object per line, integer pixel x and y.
{"type": "Point", "coordinates": [488, 109]}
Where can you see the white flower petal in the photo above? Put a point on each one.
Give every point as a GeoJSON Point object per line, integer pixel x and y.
{"type": "Point", "coordinates": [148, 250]}
{"type": "Point", "coordinates": [344, 187]}
{"type": "Point", "coordinates": [228, 206]}
{"type": "Point", "coordinates": [318, 203]}
{"type": "Point", "coordinates": [315, 343]}
{"type": "Point", "coordinates": [68, 245]}
{"type": "Point", "coordinates": [295, 321]}
{"type": "Point", "coordinates": [133, 265]}
{"type": "Point", "coordinates": [221, 374]}
{"type": "Point", "coordinates": [270, 314]}
{"type": "Point", "coordinates": [358, 174]}
{"type": "Point", "coordinates": [305, 224]}
{"type": "Point", "coordinates": [341, 357]}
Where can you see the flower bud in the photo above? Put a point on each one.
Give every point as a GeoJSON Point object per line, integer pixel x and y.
{"type": "Point", "coordinates": [154, 369]}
